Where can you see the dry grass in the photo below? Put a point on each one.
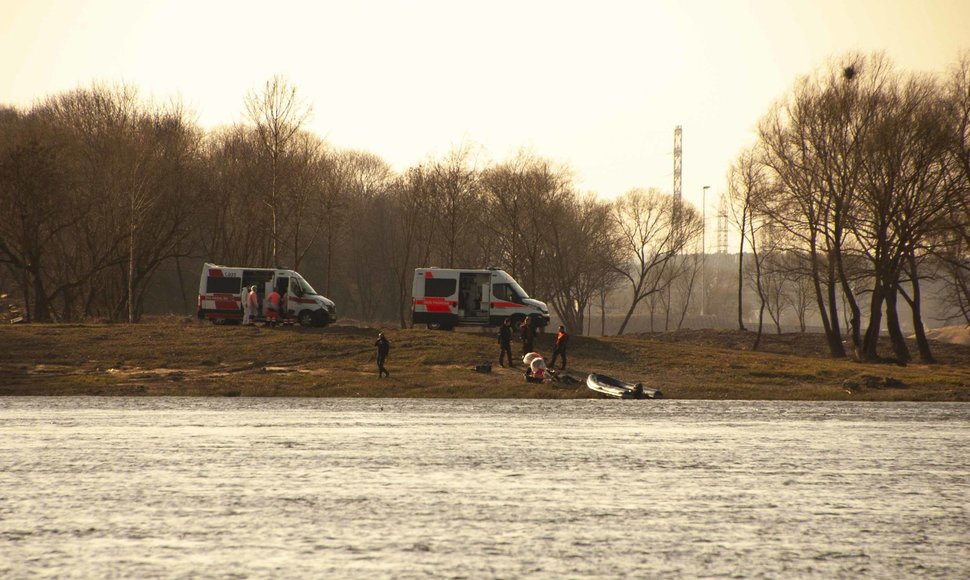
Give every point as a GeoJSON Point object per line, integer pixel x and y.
{"type": "Point", "coordinates": [180, 356]}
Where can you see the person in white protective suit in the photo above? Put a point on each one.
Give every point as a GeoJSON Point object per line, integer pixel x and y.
{"type": "Point", "coordinates": [535, 367]}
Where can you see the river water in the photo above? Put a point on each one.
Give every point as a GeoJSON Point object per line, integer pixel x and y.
{"type": "Point", "coordinates": [296, 488]}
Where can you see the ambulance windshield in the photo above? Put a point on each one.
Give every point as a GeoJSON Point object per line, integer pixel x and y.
{"type": "Point", "coordinates": [509, 291]}
{"type": "Point", "coordinates": [304, 286]}
{"type": "Point", "coordinates": [518, 289]}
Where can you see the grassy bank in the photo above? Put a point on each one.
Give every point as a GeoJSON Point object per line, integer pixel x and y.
{"type": "Point", "coordinates": [174, 356]}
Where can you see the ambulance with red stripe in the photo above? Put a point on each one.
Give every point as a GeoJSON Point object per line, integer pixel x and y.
{"type": "Point", "coordinates": [445, 298]}
{"type": "Point", "coordinates": [223, 290]}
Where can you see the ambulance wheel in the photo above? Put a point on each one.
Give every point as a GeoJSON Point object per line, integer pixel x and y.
{"type": "Point", "coordinates": [439, 326]}
{"type": "Point", "coordinates": [307, 319]}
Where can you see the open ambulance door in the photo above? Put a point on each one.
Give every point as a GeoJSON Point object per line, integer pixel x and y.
{"type": "Point", "coordinates": [474, 292]}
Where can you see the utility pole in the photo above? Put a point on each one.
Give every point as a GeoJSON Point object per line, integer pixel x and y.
{"type": "Point", "coordinates": [704, 220]}
{"type": "Point", "coordinates": [722, 225]}
{"type": "Point", "coordinates": [678, 158]}
{"type": "Point", "coordinates": [704, 249]}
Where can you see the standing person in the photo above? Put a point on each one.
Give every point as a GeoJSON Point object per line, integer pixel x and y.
{"type": "Point", "coordinates": [505, 342]}
{"type": "Point", "coordinates": [562, 339]}
{"type": "Point", "coordinates": [272, 308]}
{"type": "Point", "coordinates": [383, 348]}
{"type": "Point", "coordinates": [527, 333]}
{"type": "Point", "coordinates": [251, 306]}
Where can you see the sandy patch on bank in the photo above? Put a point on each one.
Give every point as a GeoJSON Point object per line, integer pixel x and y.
{"type": "Point", "coordinates": [950, 334]}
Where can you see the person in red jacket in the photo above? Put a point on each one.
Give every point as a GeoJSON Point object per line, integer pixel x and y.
{"type": "Point", "coordinates": [562, 339]}
{"type": "Point", "coordinates": [272, 308]}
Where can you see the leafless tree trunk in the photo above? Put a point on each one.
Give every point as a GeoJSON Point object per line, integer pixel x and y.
{"type": "Point", "coordinates": [683, 279]}
{"type": "Point", "coordinates": [278, 114]}
{"type": "Point", "coordinates": [814, 144]}
{"type": "Point", "coordinates": [458, 201]}
{"type": "Point", "coordinates": [32, 186]}
{"type": "Point", "coordinates": [904, 197]}
{"type": "Point", "coordinates": [762, 300]}
{"type": "Point", "coordinates": [518, 193]}
{"type": "Point", "coordinates": [652, 237]}
{"type": "Point", "coordinates": [915, 301]}
{"type": "Point", "coordinates": [582, 255]}
{"type": "Point", "coordinates": [747, 183]}
{"type": "Point", "coordinates": [412, 235]}
{"type": "Point", "coordinates": [954, 247]}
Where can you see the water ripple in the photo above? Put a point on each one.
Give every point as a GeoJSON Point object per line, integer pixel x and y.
{"type": "Point", "coordinates": [236, 487]}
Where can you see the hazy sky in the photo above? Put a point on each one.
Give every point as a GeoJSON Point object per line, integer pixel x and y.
{"type": "Point", "coordinates": [598, 85]}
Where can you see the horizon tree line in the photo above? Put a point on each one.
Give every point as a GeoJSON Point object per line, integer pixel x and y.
{"type": "Point", "coordinates": [106, 190]}
{"type": "Point", "coordinates": [856, 189]}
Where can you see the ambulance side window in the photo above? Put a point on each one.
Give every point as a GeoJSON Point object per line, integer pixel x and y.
{"type": "Point", "coordinates": [439, 287]}
{"type": "Point", "coordinates": [222, 285]}
{"type": "Point", "coordinates": [506, 293]}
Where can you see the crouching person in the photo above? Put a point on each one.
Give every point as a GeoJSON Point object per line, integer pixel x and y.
{"type": "Point", "coordinates": [535, 371]}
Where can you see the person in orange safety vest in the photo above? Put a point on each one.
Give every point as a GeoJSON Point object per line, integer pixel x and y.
{"type": "Point", "coordinates": [562, 339]}
{"type": "Point", "coordinates": [272, 308]}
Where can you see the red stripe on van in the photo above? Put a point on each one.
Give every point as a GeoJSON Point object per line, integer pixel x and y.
{"type": "Point", "coordinates": [436, 300]}
{"type": "Point", "coordinates": [436, 304]}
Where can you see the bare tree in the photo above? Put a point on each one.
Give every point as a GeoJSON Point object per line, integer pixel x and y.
{"type": "Point", "coordinates": [278, 114]}
{"type": "Point", "coordinates": [506, 205]}
{"type": "Point", "coordinates": [904, 199]}
{"type": "Point", "coordinates": [113, 163]}
{"type": "Point", "coordinates": [33, 183]}
{"type": "Point", "coordinates": [518, 195]}
{"type": "Point", "coordinates": [305, 186]}
{"type": "Point", "coordinates": [582, 254]}
{"type": "Point", "coordinates": [755, 234]}
{"type": "Point", "coordinates": [236, 227]}
{"type": "Point", "coordinates": [413, 196]}
{"type": "Point", "coordinates": [369, 214]}
{"type": "Point", "coordinates": [747, 183]}
{"type": "Point", "coordinates": [608, 282]}
{"type": "Point", "coordinates": [161, 149]}
{"type": "Point", "coordinates": [457, 201]}
{"type": "Point", "coordinates": [653, 229]}
{"type": "Point", "coordinates": [775, 282]}
{"type": "Point", "coordinates": [814, 144]}
{"type": "Point", "coordinates": [954, 247]}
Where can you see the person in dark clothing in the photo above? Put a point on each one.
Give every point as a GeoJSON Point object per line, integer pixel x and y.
{"type": "Point", "coordinates": [562, 339]}
{"type": "Point", "coordinates": [383, 348]}
{"type": "Point", "coordinates": [505, 342]}
{"type": "Point", "coordinates": [527, 333]}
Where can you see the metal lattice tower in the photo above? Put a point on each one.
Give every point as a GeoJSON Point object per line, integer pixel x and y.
{"type": "Point", "coordinates": [678, 159]}
{"type": "Point", "coordinates": [722, 225]}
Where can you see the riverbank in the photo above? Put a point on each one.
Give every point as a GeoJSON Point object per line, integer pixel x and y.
{"type": "Point", "coordinates": [172, 356]}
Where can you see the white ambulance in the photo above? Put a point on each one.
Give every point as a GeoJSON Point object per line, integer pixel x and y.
{"type": "Point", "coordinates": [445, 298]}
{"type": "Point", "coordinates": [223, 290]}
